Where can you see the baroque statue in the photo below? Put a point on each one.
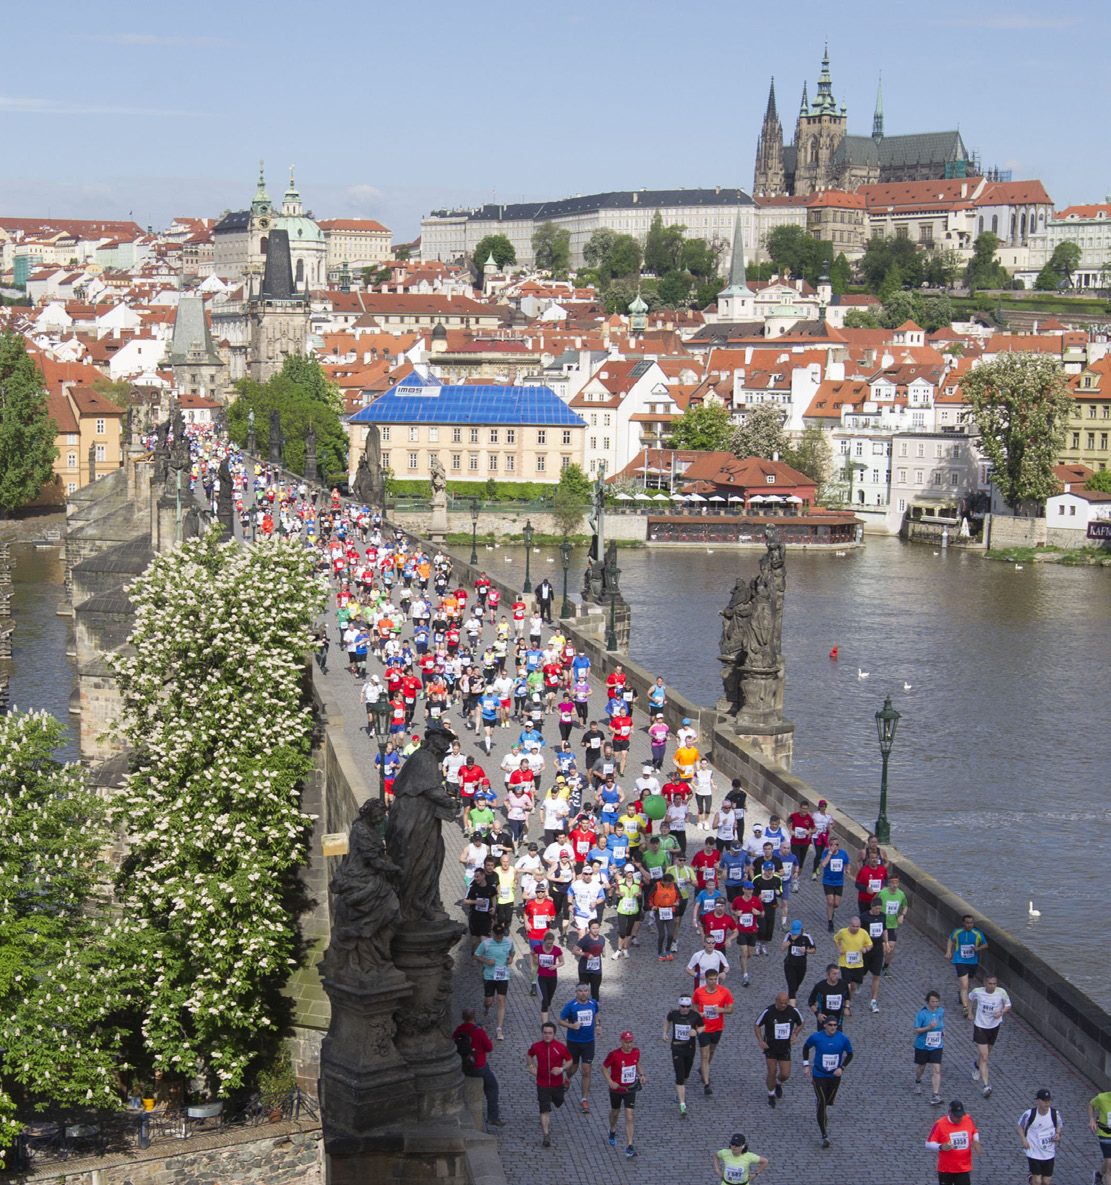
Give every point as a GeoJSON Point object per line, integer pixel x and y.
{"type": "Point", "coordinates": [369, 485]}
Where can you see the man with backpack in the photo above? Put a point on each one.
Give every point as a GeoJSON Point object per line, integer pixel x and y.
{"type": "Point", "coordinates": [1039, 1129]}
{"type": "Point", "coordinates": [473, 1044]}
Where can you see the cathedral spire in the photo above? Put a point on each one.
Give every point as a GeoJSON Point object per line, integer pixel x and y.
{"type": "Point", "coordinates": [262, 198]}
{"type": "Point", "coordinates": [825, 103]}
{"type": "Point", "coordinates": [877, 119]}
{"type": "Point", "coordinates": [804, 106]}
{"type": "Point", "coordinates": [737, 279]}
{"type": "Point", "coordinates": [770, 115]}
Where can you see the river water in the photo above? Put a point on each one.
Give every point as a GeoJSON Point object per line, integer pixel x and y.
{"type": "Point", "coordinates": [998, 764]}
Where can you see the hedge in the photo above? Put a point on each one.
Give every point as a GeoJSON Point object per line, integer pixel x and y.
{"type": "Point", "coordinates": [501, 491]}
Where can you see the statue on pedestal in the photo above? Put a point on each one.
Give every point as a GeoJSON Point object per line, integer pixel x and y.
{"type": "Point", "coordinates": [251, 430]}
{"type": "Point", "coordinates": [437, 525]}
{"type": "Point", "coordinates": [225, 501]}
{"type": "Point", "coordinates": [92, 463]}
{"type": "Point", "coordinates": [274, 455]}
{"type": "Point", "coordinates": [369, 486]}
{"type": "Point", "coordinates": [311, 474]}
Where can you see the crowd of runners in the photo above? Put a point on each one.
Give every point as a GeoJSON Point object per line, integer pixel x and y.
{"type": "Point", "coordinates": [570, 856]}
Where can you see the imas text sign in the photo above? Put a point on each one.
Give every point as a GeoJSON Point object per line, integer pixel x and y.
{"type": "Point", "coordinates": [1100, 530]}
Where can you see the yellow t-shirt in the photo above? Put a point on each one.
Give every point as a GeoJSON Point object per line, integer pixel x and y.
{"type": "Point", "coordinates": [685, 761]}
{"type": "Point", "coordinates": [632, 829]}
{"type": "Point", "coordinates": [852, 947]}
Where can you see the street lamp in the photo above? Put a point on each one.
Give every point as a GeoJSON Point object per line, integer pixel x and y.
{"type": "Point", "coordinates": [381, 711]}
{"type": "Point", "coordinates": [886, 723]}
{"type": "Point", "coordinates": [565, 560]}
{"type": "Point", "coordinates": [528, 533]}
{"type": "Point", "coordinates": [474, 530]}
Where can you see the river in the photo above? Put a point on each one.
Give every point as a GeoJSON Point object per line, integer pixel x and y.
{"type": "Point", "coordinates": [999, 740]}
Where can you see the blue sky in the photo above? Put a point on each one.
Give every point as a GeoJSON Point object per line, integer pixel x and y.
{"type": "Point", "coordinates": [156, 110]}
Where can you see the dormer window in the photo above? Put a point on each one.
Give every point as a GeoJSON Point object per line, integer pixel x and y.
{"type": "Point", "coordinates": [771, 479]}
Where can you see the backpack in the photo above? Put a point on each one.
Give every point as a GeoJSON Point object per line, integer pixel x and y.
{"type": "Point", "coordinates": [465, 1049]}
{"type": "Point", "coordinates": [1028, 1118]}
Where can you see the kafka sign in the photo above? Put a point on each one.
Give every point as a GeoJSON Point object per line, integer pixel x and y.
{"type": "Point", "coordinates": [1100, 529]}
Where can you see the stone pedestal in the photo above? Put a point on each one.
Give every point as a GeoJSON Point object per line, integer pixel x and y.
{"type": "Point", "coordinates": [423, 954]}
{"type": "Point", "coordinates": [404, 1153]}
{"type": "Point", "coordinates": [437, 523]}
{"type": "Point", "coordinates": [622, 619]}
{"type": "Point", "coordinates": [775, 740]}
{"type": "Point", "coordinates": [364, 1079]}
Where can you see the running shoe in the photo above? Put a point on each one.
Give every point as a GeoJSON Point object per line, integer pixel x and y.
{"type": "Point", "coordinates": [874, 1006]}
{"type": "Point", "coordinates": [670, 957]}
{"type": "Point", "coordinates": [771, 1101]}
{"type": "Point", "coordinates": [976, 1073]}
{"type": "Point", "coordinates": [830, 925]}
{"type": "Point", "coordinates": [500, 1035]}
{"type": "Point", "coordinates": [935, 1098]}
{"type": "Point", "coordinates": [584, 1107]}
{"type": "Point", "coordinates": [987, 1092]}
{"type": "Point", "coordinates": [825, 1141]}
{"type": "Point", "coordinates": [630, 1152]}
{"type": "Point", "coordinates": [661, 958]}
{"type": "Point", "coordinates": [546, 1142]}
{"type": "Point", "coordinates": [707, 1089]}
{"type": "Point", "coordinates": [683, 1111]}
{"type": "Point", "coordinates": [532, 990]}
{"type": "Point", "coordinates": [918, 1088]}
{"type": "Point", "coordinates": [745, 981]}
{"type": "Point", "coordinates": [613, 1139]}
{"type": "Point", "coordinates": [888, 973]}
{"type": "Point", "coordinates": [616, 954]}
{"type": "Point", "coordinates": [779, 1090]}
{"type": "Point", "coordinates": [636, 942]}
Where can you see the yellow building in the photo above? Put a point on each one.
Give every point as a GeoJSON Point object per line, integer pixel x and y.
{"type": "Point", "coordinates": [1088, 439]}
{"type": "Point", "coordinates": [86, 421]}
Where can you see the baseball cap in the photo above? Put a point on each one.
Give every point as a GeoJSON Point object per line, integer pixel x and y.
{"type": "Point", "coordinates": [686, 720]}
{"type": "Point", "coordinates": [685, 1001]}
{"type": "Point", "coordinates": [659, 715]}
{"type": "Point", "coordinates": [627, 1035]}
{"type": "Point", "coordinates": [533, 847]}
{"type": "Point", "coordinates": [822, 802]}
{"type": "Point", "coordinates": [768, 864]}
{"type": "Point", "coordinates": [746, 885]}
{"type": "Point", "coordinates": [736, 1140]}
{"type": "Point", "coordinates": [734, 847]}
{"type": "Point", "coordinates": [956, 1107]}
{"type": "Point", "coordinates": [646, 769]}
{"type": "Point", "coordinates": [1044, 1095]}
{"type": "Point", "coordinates": [796, 927]}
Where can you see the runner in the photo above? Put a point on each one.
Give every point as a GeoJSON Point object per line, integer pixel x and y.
{"type": "Point", "coordinates": [665, 901]}
{"type": "Point", "coordinates": [1099, 1124]}
{"type": "Point", "coordinates": [797, 946]}
{"type": "Point", "coordinates": [833, 866]}
{"type": "Point", "coordinates": [709, 958]}
{"type": "Point", "coordinates": [894, 903]}
{"type": "Point", "coordinates": [992, 1004]}
{"type": "Point", "coordinates": [876, 927]}
{"type": "Point", "coordinates": [549, 1062]}
{"type": "Point", "coordinates": [496, 954]}
{"type": "Point", "coordinates": [801, 824]}
{"type": "Point", "coordinates": [735, 1165]}
{"type": "Point", "coordinates": [869, 881]}
{"type": "Point", "coordinates": [768, 887]}
{"type": "Point", "coordinates": [953, 1137]}
{"type": "Point", "coordinates": [682, 1026]}
{"type": "Point", "coordinates": [1039, 1129]}
{"type": "Point", "coordinates": [777, 1031]}
{"type": "Point", "coordinates": [820, 839]}
{"type": "Point", "coordinates": [589, 950]}
{"type": "Point", "coordinates": [624, 1077]}
{"type": "Point", "coordinates": [628, 911]}
{"type": "Point", "coordinates": [832, 1053]}
{"type": "Point", "coordinates": [852, 944]}
{"type": "Point", "coordinates": [715, 1003]}
{"type": "Point", "coordinates": [549, 959]}
{"type": "Point", "coordinates": [827, 997]}
{"type": "Point", "coordinates": [747, 911]}
{"type": "Point", "coordinates": [963, 948]}
{"type": "Point", "coordinates": [929, 1035]}
{"type": "Point", "coordinates": [472, 1043]}
{"type": "Point", "coordinates": [579, 1017]}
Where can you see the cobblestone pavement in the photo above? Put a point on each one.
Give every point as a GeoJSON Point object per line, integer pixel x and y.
{"type": "Point", "coordinates": [878, 1126]}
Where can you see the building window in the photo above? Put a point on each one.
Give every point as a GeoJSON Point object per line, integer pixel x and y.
{"type": "Point", "coordinates": [594, 444]}
{"type": "Point", "coordinates": [902, 503]}
{"type": "Point", "coordinates": [413, 458]}
{"type": "Point", "coordinates": [918, 474]}
{"type": "Point", "coordinates": [71, 438]}
{"type": "Point", "coordinates": [566, 435]}
{"type": "Point", "coordinates": [433, 460]}
{"type": "Point", "coordinates": [593, 421]}
{"type": "Point", "coordinates": [472, 462]}
{"type": "Point", "coordinates": [921, 450]}
{"type": "Point", "coordinates": [902, 448]}
{"type": "Point", "coordinates": [71, 487]}
{"type": "Point", "coordinates": [433, 435]}
{"type": "Point", "coordinates": [605, 444]}
{"type": "Point", "coordinates": [457, 436]}
{"type": "Point", "coordinates": [1076, 440]}
{"type": "Point", "coordinates": [510, 463]}
{"type": "Point", "coordinates": [540, 464]}
{"type": "Point", "coordinates": [493, 436]}
{"type": "Point", "coordinates": [606, 420]}
{"type": "Point", "coordinates": [954, 477]}
{"type": "Point", "coordinates": [1072, 510]}
{"type": "Point", "coordinates": [875, 475]}
{"type": "Point", "coordinates": [1091, 440]}
{"type": "Point", "coordinates": [385, 433]}
{"type": "Point", "coordinates": [900, 232]}
{"type": "Point", "coordinates": [102, 452]}
{"type": "Point", "coordinates": [474, 436]}
{"type": "Point", "coordinates": [1091, 411]}
{"type": "Point", "coordinates": [938, 477]}
{"type": "Point", "coordinates": [541, 436]}
{"type": "Point", "coordinates": [457, 461]}
{"type": "Point", "coordinates": [1103, 441]}
{"type": "Point", "coordinates": [511, 436]}
{"type": "Point", "coordinates": [71, 461]}
{"type": "Point", "coordinates": [414, 435]}
{"type": "Point", "coordinates": [492, 462]}
{"type": "Point", "coordinates": [902, 477]}
{"type": "Point", "coordinates": [593, 466]}
{"type": "Point", "coordinates": [877, 450]}
{"type": "Point", "coordinates": [565, 462]}
{"type": "Point", "coordinates": [101, 427]}
{"type": "Point", "coordinates": [859, 452]}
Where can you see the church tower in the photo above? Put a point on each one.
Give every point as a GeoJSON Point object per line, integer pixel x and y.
{"type": "Point", "coordinates": [820, 129]}
{"type": "Point", "coordinates": [770, 178]}
{"type": "Point", "coordinates": [877, 119]}
{"type": "Point", "coordinates": [278, 316]}
{"type": "Point", "coordinates": [736, 302]}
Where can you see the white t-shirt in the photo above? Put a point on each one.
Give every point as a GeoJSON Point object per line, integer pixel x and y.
{"type": "Point", "coordinates": [511, 762]}
{"type": "Point", "coordinates": [553, 852]}
{"type": "Point", "coordinates": [989, 1007]}
{"type": "Point", "coordinates": [677, 816]}
{"type": "Point", "coordinates": [586, 897]}
{"type": "Point", "coordinates": [453, 763]}
{"type": "Point", "coordinates": [553, 810]}
{"type": "Point", "coordinates": [703, 962]}
{"type": "Point", "coordinates": [754, 846]}
{"type": "Point", "coordinates": [1040, 1133]}
{"type": "Point", "coordinates": [648, 784]}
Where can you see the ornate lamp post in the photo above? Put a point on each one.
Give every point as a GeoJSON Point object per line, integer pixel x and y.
{"type": "Point", "coordinates": [565, 560]}
{"type": "Point", "coordinates": [474, 530]}
{"type": "Point", "coordinates": [528, 533]}
{"type": "Point", "coordinates": [381, 711]}
{"type": "Point", "coordinates": [886, 723]}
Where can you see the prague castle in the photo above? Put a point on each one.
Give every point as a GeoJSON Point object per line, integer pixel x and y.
{"type": "Point", "coordinates": [823, 155]}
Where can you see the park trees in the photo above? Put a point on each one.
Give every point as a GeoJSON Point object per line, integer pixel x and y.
{"type": "Point", "coordinates": [571, 498]}
{"type": "Point", "coordinates": [761, 434]}
{"type": "Point", "coordinates": [27, 432]}
{"type": "Point", "coordinates": [551, 247]}
{"type": "Point", "coordinates": [1057, 273]}
{"type": "Point", "coordinates": [1020, 406]}
{"type": "Point", "coordinates": [984, 270]}
{"type": "Point", "coordinates": [499, 247]}
{"type": "Point", "coordinates": [707, 427]}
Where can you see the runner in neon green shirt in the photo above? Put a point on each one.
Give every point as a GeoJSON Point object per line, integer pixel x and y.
{"type": "Point", "coordinates": [735, 1165]}
{"type": "Point", "coordinates": [894, 904]}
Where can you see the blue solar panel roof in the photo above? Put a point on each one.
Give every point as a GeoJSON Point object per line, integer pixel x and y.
{"type": "Point", "coordinates": [421, 401]}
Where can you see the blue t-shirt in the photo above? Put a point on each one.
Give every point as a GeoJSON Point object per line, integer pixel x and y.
{"type": "Point", "coordinates": [533, 659]}
{"type": "Point", "coordinates": [619, 847]}
{"type": "Point", "coordinates": [603, 856]}
{"type": "Point", "coordinates": [657, 695]}
{"type": "Point", "coordinates": [530, 737]}
{"type": "Point", "coordinates": [790, 866]}
{"type": "Point", "coordinates": [610, 797]}
{"type": "Point", "coordinates": [835, 875]}
{"type": "Point", "coordinates": [829, 1052]}
{"type": "Point", "coordinates": [931, 1039]}
{"type": "Point", "coordinates": [585, 1014]}
{"type": "Point", "coordinates": [489, 705]}
{"type": "Point", "coordinates": [964, 945]}
{"type": "Point", "coordinates": [732, 868]}
{"type": "Point", "coordinates": [706, 898]}
{"type": "Point", "coordinates": [564, 760]}
{"type": "Point", "coordinates": [580, 664]}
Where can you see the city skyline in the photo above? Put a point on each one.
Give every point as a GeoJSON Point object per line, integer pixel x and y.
{"type": "Point", "coordinates": [496, 103]}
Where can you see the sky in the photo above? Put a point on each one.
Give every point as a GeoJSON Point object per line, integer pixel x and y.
{"type": "Point", "coordinates": [119, 110]}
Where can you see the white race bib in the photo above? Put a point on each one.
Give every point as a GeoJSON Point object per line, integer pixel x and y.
{"type": "Point", "coordinates": [959, 1140]}
{"type": "Point", "coordinates": [874, 885]}
{"type": "Point", "coordinates": [830, 1061]}
{"type": "Point", "coordinates": [628, 1075]}
{"type": "Point", "coordinates": [852, 958]}
{"type": "Point", "coordinates": [736, 1174]}
{"type": "Point", "coordinates": [783, 1032]}
{"type": "Point", "coordinates": [746, 920]}
{"type": "Point", "coordinates": [968, 950]}
{"type": "Point", "coordinates": [656, 872]}
{"type": "Point", "coordinates": [767, 895]}
{"type": "Point", "coordinates": [836, 865]}
{"type": "Point", "coordinates": [586, 1018]}
{"type": "Point", "coordinates": [710, 1012]}
{"type": "Point", "coordinates": [800, 833]}
{"type": "Point", "coordinates": [718, 936]}
{"type": "Point", "coordinates": [933, 1039]}
{"type": "Point", "coordinates": [547, 960]}
{"type": "Point", "coordinates": [501, 973]}
{"type": "Point", "coordinates": [682, 1032]}
{"type": "Point", "coordinates": [875, 929]}
{"type": "Point", "coordinates": [666, 913]}
{"type": "Point", "coordinates": [798, 951]}
{"type": "Point", "coordinates": [891, 908]}
{"type": "Point", "coordinates": [833, 1003]}
{"type": "Point", "coordinates": [594, 963]}
{"type": "Point", "coordinates": [482, 904]}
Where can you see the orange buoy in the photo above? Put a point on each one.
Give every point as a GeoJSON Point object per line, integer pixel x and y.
{"type": "Point", "coordinates": [833, 652]}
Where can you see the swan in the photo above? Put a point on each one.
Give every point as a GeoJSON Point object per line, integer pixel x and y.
{"type": "Point", "coordinates": [906, 686]}
{"type": "Point", "coordinates": [508, 559]}
{"type": "Point", "coordinates": [709, 551]}
{"type": "Point", "coordinates": [862, 674]}
{"type": "Point", "coordinates": [1019, 567]}
{"type": "Point", "coordinates": [937, 553]}
{"type": "Point", "coordinates": [842, 553]}
{"type": "Point", "coordinates": [536, 550]}
{"type": "Point", "coordinates": [1034, 913]}
{"type": "Point", "coordinates": [550, 560]}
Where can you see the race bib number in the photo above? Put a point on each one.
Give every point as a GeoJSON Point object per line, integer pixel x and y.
{"type": "Point", "coordinates": [830, 1061]}
{"type": "Point", "coordinates": [833, 1003]}
{"type": "Point", "coordinates": [657, 872]}
{"type": "Point", "coordinates": [710, 1012]}
{"type": "Point", "coordinates": [718, 936]}
{"type": "Point", "coordinates": [505, 896]}
{"type": "Point", "coordinates": [501, 973]}
{"type": "Point", "coordinates": [836, 865]}
{"type": "Point", "coordinates": [482, 904]}
{"type": "Point", "coordinates": [666, 913]}
{"type": "Point", "coordinates": [586, 1018]}
{"type": "Point", "coordinates": [933, 1040]}
{"type": "Point", "coordinates": [594, 963]}
{"type": "Point", "coordinates": [800, 833]}
{"type": "Point", "coordinates": [736, 1174]}
{"type": "Point", "coordinates": [682, 1032]}
{"type": "Point", "coordinates": [1047, 1141]}
{"type": "Point", "coordinates": [708, 906]}
{"type": "Point", "coordinates": [798, 951]}
{"type": "Point", "coordinates": [767, 895]}
{"type": "Point", "coordinates": [547, 960]}
{"type": "Point", "coordinates": [891, 908]}
{"type": "Point", "coordinates": [582, 846]}
{"type": "Point", "coordinates": [874, 885]}
{"type": "Point", "coordinates": [968, 950]}
{"type": "Point", "coordinates": [746, 919]}
{"type": "Point", "coordinates": [783, 1032]}
{"type": "Point", "coordinates": [852, 958]}
{"type": "Point", "coordinates": [875, 929]}
{"type": "Point", "coordinates": [628, 1075]}
{"type": "Point", "coordinates": [734, 873]}
{"type": "Point", "coordinates": [959, 1140]}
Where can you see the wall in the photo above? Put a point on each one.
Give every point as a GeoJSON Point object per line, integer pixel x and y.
{"type": "Point", "coordinates": [1004, 530]}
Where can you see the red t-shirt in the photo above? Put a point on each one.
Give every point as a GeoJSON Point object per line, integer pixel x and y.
{"type": "Point", "coordinates": [518, 611]}
{"type": "Point", "coordinates": [673, 790]}
{"type": "Point", "coordinates": [522, 777]}
{"type": "Point", "coordinates": [582, 841]}
{"type": "Point", "coordinates": [704, 862]}
{"type": "Point", "coordinates": [959, 1158]}
{"type": "Point", "coordinates": [481, 1044]}
{"type": "Point", "coordinates": [717, 928]}
{"type": "Point", "coordinates": [623, 1068]}
{"type": "Point", "coordinates": [550, 1056]}
{"type": "Point", "coordinates": [622, 727]}
{"type": "Point", "coordinates": [803, 823]}
{"type": "Point", "coordinates": [710, 1004]}
{"type": "Point", "coordinates": [553, 672]}
{"type": "Point", "coordinates": [410, 688]}
{"type": "Point", "coordinates": [615, 681]}
{"type": "Point", "coordinates": [469, 777]}
{"type": "Point", "coordinates": [869, 881]}
{"type": "Point", "coordinates": [538, 915]}
{"type": "Point", "coordinates": [748, 913]}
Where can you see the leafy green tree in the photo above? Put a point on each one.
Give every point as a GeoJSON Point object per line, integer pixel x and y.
{"type": "Point", "coordinates": [984, 270]}
{"type": "Point", "coordinates": [942, 267]}
{"type": "Point", "coordinates": [403, 253]}
{"type": "Point", "coordinates": [790, 249]}
{"type": "Point", "coordinates": [499, 246]}
{"type": "Point", "coordinates": [571, 498]}
{"type": "Point", "coordinates": [840, 275]}
{"type": "Point", "coordinates": [1100, 480]}
{"type": "Point", "coordinates": [551, 247]}
{"type": "Point", "coordinates": [698, 258]}
{"type": "Point", "coordinates": [373, 276]}
{"type": "Point", "coordinates": [675, 290]}
{"type": "Point", "coordinates": [624, 257]}
{"type": "Point", "coordinates": [27, 432]}
{"type": "Point", "coordinates": [707, 428]}
{"type": "Point", "coordinates": [892, 283]}
{"type": "Point", "coordinates": [575, 482]}
{"type": "Point", "coordinates": [935, 312]}
{"type": "Point", "coordinates": [52, 839]}
{"type": "Point", "coordinates": [596, 250]}
{"type": "Point", "coordinates": [308, 374]}
{"type": "Point", "coordinates": [1057, 273]}
{"type": "Point", "coordinates": [1020, 406]}
{"type": "Point", "coordinates": [214, 715]}
{"type": "Point", "coordinates": [900, 306]}
{"type": "Point", "coordinates": [812, 454]}
{"type": "Point", "coordinates": [761, 434]}
{"type": "Point", "coordinates": [119, 392]}
{"type": "Point", "coordinates": [663, 246]}
{"type": "Point", "coordinates": [707, 292]}
{"type": "Point", "coordinates": [879, 256]}
{"type": "Point", "coordinates": [861, 319]}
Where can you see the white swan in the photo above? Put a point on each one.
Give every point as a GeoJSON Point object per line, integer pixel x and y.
{"type": "Point", "coordinates": [1019, 567]}
{"type": "Point", "coordinates": [906, 686]}
{"type": "Point", "coordinates": [709, 551]}
{"type": "Point", "coordinates": [1034, 913]}
{"type": "Point", "coordinates": [862, 674]}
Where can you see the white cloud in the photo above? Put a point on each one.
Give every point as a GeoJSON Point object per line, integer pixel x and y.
{"type": "Point", "coordinates": [154, 39]}
{"type": "Point", "coordinates": [362, 197]}
{"type": "Point", "coordinates": [23, 105]}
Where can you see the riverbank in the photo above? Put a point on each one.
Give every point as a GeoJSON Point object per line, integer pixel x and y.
{"type": "Point", "coordinates": [1093, 557]}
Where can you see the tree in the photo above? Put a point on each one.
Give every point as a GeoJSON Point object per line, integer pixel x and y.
{"type": "Point", "coordinates": [790, 248]}
{"type": "Point", "coordinates": [880, 254]}
{"type": "Point", "coordinates": [707, 292]}
{"type": "Point", "coordinates": [551, 247]}
{"type": "Point", "coordinates": [812, 454]}
{"type": "Point", "coordinates": [935, 311]}
{"type": "Point", "coordinates": [761, 434]}
{"type": "Point", "coordinates": [497, 245]}
{"type": "Point", "coordinates": [674, 290]}
{"type": "Point", "coordinates": [309, 375]}
{"type": "Point", "coordinates": [1057, 273]}
{"type": "Point", "coordinates": [1100, 480]}
{"type": "Point", "coordinates": [663, 246]}
{"type": "Point", "coordinates": [52, 836]}
{"type": "Point", "coordinates": [220, 738]}
{"type": "Point", "coordinates": [598, 247]}
{"type": "Point", "coordinates": [942, 267]}
{"type": "Point", "coordinates": [892, 283]}
{"type": "Point", "coordinates": [571, 498]}
{"type": "Point", "coordinates": [27, 432]}
{"type": "Point", "coordinates": [706, 428]}
{"type": "Point", "coordinates": [840, 274]}
{"type": "Point", "coordinates": [699, 258]}
{"type": "Point", "coordinates": [861, 319]}
{"type": "Point", "coordinates": [624, 257]}
{"type": "Point", "coordinates": [403, 253]}
{"type": "Point", "coordinates": [1020, 406]}
{"type": "Point", "coordinates": [900, 306]}
{"type": "Point", "coordinates": [119, 392]}
{"type": "Point", "coordinates": [984, 270]}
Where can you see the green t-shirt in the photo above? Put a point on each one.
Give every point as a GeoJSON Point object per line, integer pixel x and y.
{"type": "Point", "coordinates": [656, 863]}
{"type": "Point", "coordinates": [628, 899]}
{"type": "Point", "coordinates": [737, 1165]}
{"type": "Point", "coordinates": [481, 817]}
{"type": "Point", "coordinates": [893, 904]}
{"type": "Point", "coordinates": [668, 843]}
{"type": "Point", "coordinates": [491, 948]}
{"type": "Point", "coordinates": [1101, 1105]}
{"type": "Point", "coordinates": [685, 879]}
